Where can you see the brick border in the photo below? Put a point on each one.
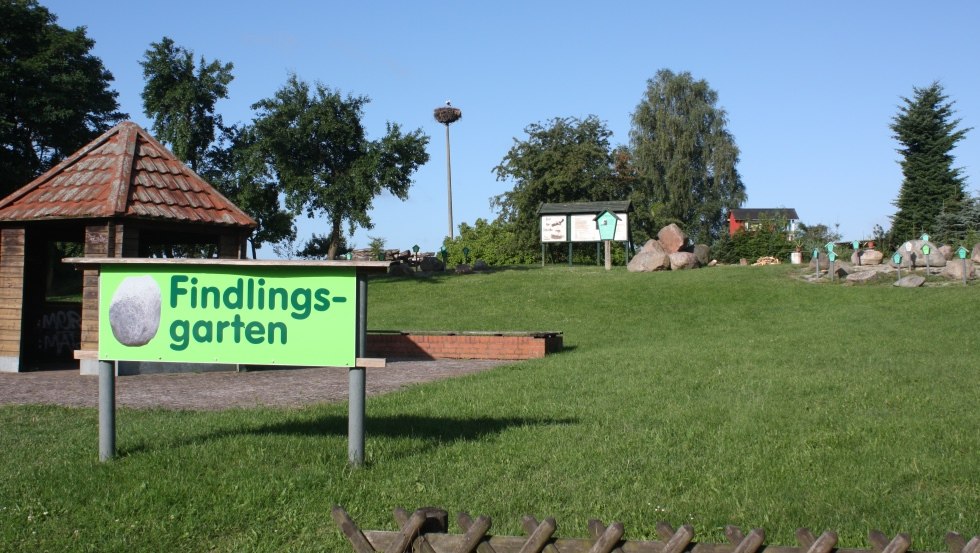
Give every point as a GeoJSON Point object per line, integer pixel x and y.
{"type": "Point", "coordinates": [462, 345]}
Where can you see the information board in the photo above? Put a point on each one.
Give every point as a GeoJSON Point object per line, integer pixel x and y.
{"type": "Point", "coordinates": [257, 315]}
{"type": "Point", "coordinates": [554, 228]}
{"type": "Point", "coordinates": [584, 228]}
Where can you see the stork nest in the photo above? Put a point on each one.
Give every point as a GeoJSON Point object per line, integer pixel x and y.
{"type": "Point", "coordinates": [447, 114]}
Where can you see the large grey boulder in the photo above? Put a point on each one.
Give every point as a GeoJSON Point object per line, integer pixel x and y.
{"type": "Point", "coordinates": [954, 269]}
{"type": "Point", "coordinates": [975, 255]}
{"type": "Point", "coordinates": [913, 249]}
{"type": "Point", "coordinates": [867, 257]}
{"type": "Point", "coordinates": [464, 269]}
{"type": "Point", "coordinates": [683, 260]}
{"type": "Point", "coordinates": [651, 245]}
{"type": "Point", "coordinates": [947, 251]}
{"type": "Point", "coordinates": [863, 277]}
{"type": "Point", "coordinates": [432, 264]}
{"type": "Point", "coordinates": [400, 269]}
{"type": "Point", "coordinates": [910, 281]}
{"type": "Point", "coordinates": [821, 262]}
{"type": "Point", "coordinates": [703, 253]}
{"type": "Point", "coordinates": [672, 238]}
{"type": "Point", "coordinates": [480, 266]}
{"type": "Point", "coordinates": [652, 258]}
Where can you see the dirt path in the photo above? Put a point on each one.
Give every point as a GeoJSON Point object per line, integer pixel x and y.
{"type": "Point", "coordinates": [221, 390]}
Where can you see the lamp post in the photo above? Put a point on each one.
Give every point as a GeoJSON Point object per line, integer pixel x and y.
{"type": "Point", "coordinates": [448, 115]}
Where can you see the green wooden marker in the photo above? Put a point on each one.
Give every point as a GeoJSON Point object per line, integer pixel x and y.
{"type": "Point", "coordinates": [897, 259]}
{"type": "Point", "coordinates": [829, 246]}
{"type": "Point", "coordinates": [924, 237]}
{"type": "Point", "coordinates": [961, 252]}
{"type": "Point", "coordinates": [832, 256]}
{"type": "Point", "coordinates": [856, 245]}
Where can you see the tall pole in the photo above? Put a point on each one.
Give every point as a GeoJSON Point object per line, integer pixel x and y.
{"type": "Point", "coordinates": [449, 183]}
{"type": "Point", "coordinates": [448, 115]}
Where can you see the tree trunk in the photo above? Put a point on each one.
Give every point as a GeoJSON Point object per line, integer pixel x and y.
{"type": "Point", "coordinates": [334, 239]}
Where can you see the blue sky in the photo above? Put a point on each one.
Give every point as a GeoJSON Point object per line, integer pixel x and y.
{"type": "Point", "coordinates": [810, 88]}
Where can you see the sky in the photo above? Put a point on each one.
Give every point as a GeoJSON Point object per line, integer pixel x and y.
{"type": "Point", "coordinates": [810, 88]}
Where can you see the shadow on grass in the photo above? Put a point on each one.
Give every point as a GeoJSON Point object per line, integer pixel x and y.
{"type": "Point", "coordinates": [431, 431]}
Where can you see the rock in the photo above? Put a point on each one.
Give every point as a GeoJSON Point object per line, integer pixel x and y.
{"type": "Point", "coordinates": [910, 281]}
{"type": "Point", "coordinates": [672, 238]}
{"type": "Point", "coordinates": [954, 269]}
{"type": "Point", "coordinates": [653, 259]}
{"type": "Point", "coordinates": [464, 269]}
{"type": "Point", "coordinates": [712, 263]}
{"type": "Point", "coordinates": [480, 266]}
{"type": "Point", "coordinates": [841, 269]}
{"type": "Point", "coordinates": [975, 255]}
{"type": "Point", "coordinates": [935, 257]}
{"type": "Point", "coordinates": [703, 253]}
{"type": "Point", "coordinates": [432, 264]}
{"type": "Point", "coordinates": [867, 257]}
{"type": "Point", "coordinates": [743, 262]}
{"type": "Point", "coordinates": [683, 260]}
{"type": "Point", "coordinates": [651, 245]}
{"type": "Point", "coordinates": [400, 269]}
{"type": "Point", "coordinates": [862, 277]}
{"type": "Point", "coordinates": [947, 251]}
{"type": "Point", "coordinates": [134, 312]}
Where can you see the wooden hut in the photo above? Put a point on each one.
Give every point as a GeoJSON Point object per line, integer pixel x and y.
{"type": "Point", "coordinates": [122, 195]}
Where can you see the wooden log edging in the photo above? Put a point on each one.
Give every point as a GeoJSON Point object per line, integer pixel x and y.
{"type": "Point", "coordinates": [426, 531]}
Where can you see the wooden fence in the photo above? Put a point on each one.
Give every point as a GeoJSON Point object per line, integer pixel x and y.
{"type": "Point", "coordinates": [425, 531]}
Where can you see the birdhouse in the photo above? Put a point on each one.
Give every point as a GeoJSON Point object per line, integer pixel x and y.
{"type": "Point", "coordinates": [961, 252]}
{"type": "Point", "coordinates": [606, 223]}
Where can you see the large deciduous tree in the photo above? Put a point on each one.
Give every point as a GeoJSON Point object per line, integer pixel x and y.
{"type": "Point", "coordinates": [927, 132]}
{"type": "Point", "coordinates": [317, 147]}
{"type": "Point", "coordinates": [180, 96]}
{"type": "Point", "coordinates": [684, 156]}
{"type": "Point", "coordinates": [54, 94]}
{"type": "Point", "coordinates": [563, 160]}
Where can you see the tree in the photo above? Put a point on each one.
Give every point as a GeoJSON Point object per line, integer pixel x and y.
{"type": "Point", "coordinates": [180, 97]}
{"type": "Point", "coordinates": [316, 145]}
{"type": "Point", "coordinates": [927, 133]}
{"type": "Point", "coordinates": [564, 160]}
{"type": "Point", "coordinates": [236, 167]}
{"type": "Point", "coordinates": [54, 94]}
{"type": "Point", "coordinates": [685, 157]}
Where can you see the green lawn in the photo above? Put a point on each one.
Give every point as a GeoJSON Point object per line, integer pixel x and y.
{"type": "Point", "coordinates": [721, 396]}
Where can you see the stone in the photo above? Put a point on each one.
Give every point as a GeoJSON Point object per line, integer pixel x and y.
{"type": "Point", "coordinates": [862, 277]}
{"type": "Point", "coordinates": [954, 269]}
{"type": "Point", "coordinates": [432, 264]}
{"type": "Point", "coordinates": [672, 238]}
{"type": "Point", "coordinates": [975, 255]}
{"type": "Point", "coordinates": [743, 262]}
{"type": "Point", "coordinates": [134, 311]}
{"type": "Point", "coordinates": [935, 257]}
{"type": "Point", "coordinates": [464, 269]}
{"type": "Point", "coordinates": [947, 251]}
{"type": "Point", "coordinates": [651, 245]}
{"type": "Point", "coordinates": [703, 253]}
{"type": "Point", "coordinates": [910, 281]}
{"type": "Point", "coordinates": [480, 266]}
{"type": "Point", "coordinates": [683, 260]}
{"type": "Point", "coordinates": [400, 269]}
{"type": "Point", "coordinates": [653, 259]}
{"type": "Point", "coordinates": [867, 257]}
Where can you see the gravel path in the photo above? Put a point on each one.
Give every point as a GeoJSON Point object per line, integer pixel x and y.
{"type": "Point", "coordinates": [221, 390]}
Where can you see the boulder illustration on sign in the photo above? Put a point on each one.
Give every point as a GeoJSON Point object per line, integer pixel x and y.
{"type": "Point", "coordinates": [134, 313]}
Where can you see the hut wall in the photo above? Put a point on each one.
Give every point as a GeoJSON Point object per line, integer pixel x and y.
{"type": "Point", "coordinates": [11, 297]}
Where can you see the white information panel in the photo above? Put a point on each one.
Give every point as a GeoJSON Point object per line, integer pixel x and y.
{"type": "Point", "coordinates": [584, 228]}
{"type": "Point", "coordinates": [554, 228]}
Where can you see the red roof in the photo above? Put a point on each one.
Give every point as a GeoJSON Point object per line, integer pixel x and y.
{"type": "Point", "coordinates": [123, 173]}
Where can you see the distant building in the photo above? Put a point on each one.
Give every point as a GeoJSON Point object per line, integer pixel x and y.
{"type": "Point", "coordinates": [750, 218]}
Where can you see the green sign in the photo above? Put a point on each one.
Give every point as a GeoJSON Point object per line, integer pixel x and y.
{"type": "Point", "coordinates": [897, 258]}
{"type": "Point", "coordinates": [961, 252]}
{"type": "Point", "coordinates": [924, 238]}
{"type": "Point", "coordinates": [829, 246]}
{"type": "Point", "coordinates": [816, 253]}
{"type": "Point", "coordinates": [832, 256]}
{"type": "Point", "coordinates": [926, 249]}
{"type": "Point", "coordinates": [257, 315]}
{"type": "Point", "coordinates": [856, 245]}
{"type": "Point", "coordinates": [606, 223]}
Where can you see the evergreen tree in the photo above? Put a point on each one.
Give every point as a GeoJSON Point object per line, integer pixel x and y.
{"type": "Point", "coordinates": [54, 94]}
{"type": "Point", "coordinates": [685, 157]}
{"type": "Point", "coordinates": [927, 133]}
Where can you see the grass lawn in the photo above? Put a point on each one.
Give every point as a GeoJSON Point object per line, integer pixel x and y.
{"type": "Point", "coordinates": [721, 396]}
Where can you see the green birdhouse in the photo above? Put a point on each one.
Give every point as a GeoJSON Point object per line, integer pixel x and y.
{"type": "Point", "coordinates": [926, 249]}
{"type": "Point", "coordinates": [924, 237]}
{"type": "Point", "coordinates": [961, 252]}
{"type": "Point", "coordinates": [606, 223]}
{"type": "Point", "coordinates": [897, 258]}
{"type": "Point", "coordinates": [829, 246]}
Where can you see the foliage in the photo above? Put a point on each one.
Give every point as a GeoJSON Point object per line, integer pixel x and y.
{"type": "Point", "coordinates": [318, 247]}
{"type": "Point", "coordinates": [685, 158]}
{"type": "Point", "coordinates": [377, 246]}
{"type": "Point", "coordinates": [180, 97]}
{"type": "Point", "coordinates": [813, 236]}
{"type": "Point", "coordinates": [927, 134]}
{"type": "Point", "coordinates": [563, 160]}
{"type": "Point", "coordinates": [768, 238]}
{"type": "Point", "coordinates": [723, 396]}
{"type": "Point", "coordinates": [957, 221]}
{"type": "Point", "coordinates": [494, 242]}
{"type": "Point", "coordinates": [317, 147]}
{"type": "Point", "coordinates": [54, 94]}
{"type": "Point", "coordinates": [235, 166]}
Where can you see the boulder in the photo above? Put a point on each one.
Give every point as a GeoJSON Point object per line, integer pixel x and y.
{"type": "Point", "coordinates": [910, 281]}
{"type": "Point", "coordinates": [703, 253]}
{"type": "Point", "coordinates": [651, 245]}
{"type": "Point", "coordinates": [649, 260]}
{"type": "Point", "coordinates": [400, 269]}
{"type": "Point", "coordinates": [480, 266]}
{"type": "Point", "coordinates": [683, 260]}
{"type": "Point", "coordinates": [862, 277]}
{"type": "Point", "coordinates": [914, 248]}
{"type": "Point", "coordinates": [432, 264]}
{"type": "Point", "coordinates": [975, 254]}
{"type": "Point", "coordinates": [821, 262]}
{"type": "Point", "coordinates": [947, 251]}
{"type": "Point", "coordinates": [867, 257]}
{"type": "Point", "coordinates": [464, 269]}
{"type": "Point", "coordinates": [672, 238]}
{"type": "Point", "coordinates": [954, 269]}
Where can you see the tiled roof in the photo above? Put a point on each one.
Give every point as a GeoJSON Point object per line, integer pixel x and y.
{"type": "Point", "coordinates": [123, 173]}
{"type": "Point", "coordinates": [754, 214]}
{"type": "Point", "coordinates": [571, 208]}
